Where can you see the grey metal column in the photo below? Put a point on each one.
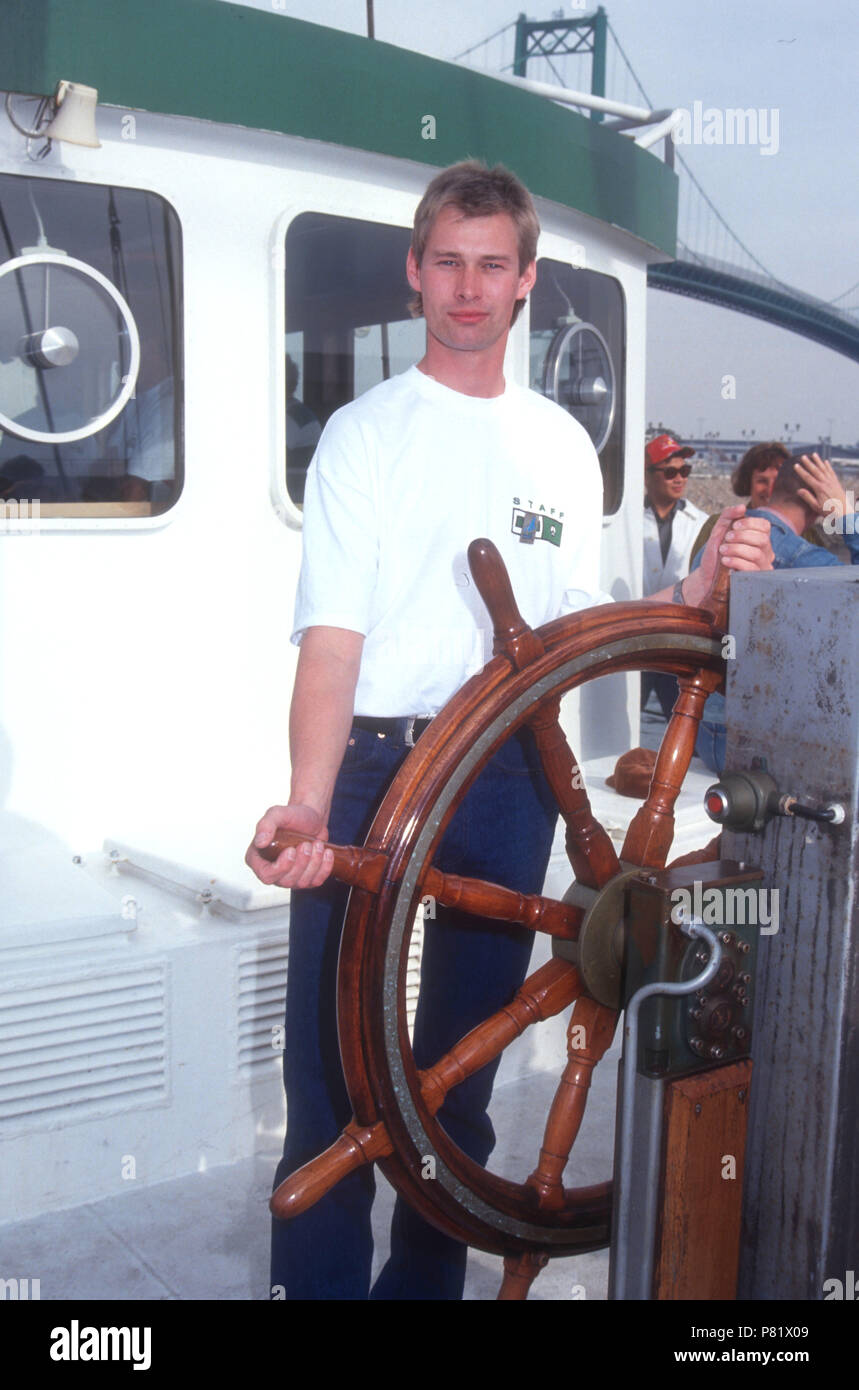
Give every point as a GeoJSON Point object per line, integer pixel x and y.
{"type": "Point", "coordinates": [641, 1114]}
{"type": "Point", "coordinates": [793, 698]}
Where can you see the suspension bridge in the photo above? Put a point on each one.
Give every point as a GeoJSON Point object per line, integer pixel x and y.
{"type": "Point", "coordinates": [584, 56]}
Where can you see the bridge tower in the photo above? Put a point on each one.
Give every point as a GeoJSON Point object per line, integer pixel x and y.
{"type": "Point", "coordinates": [546, 38]}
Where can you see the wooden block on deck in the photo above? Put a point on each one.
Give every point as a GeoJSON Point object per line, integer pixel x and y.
{"type": "Point", "coordinates": [699, 1238]}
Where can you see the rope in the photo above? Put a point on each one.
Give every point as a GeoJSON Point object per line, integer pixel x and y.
{"type": "Point", "coordinates": [465, 52]}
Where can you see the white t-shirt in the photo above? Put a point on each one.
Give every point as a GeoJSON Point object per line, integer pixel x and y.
{"type": "Point", "coordinates": [403, 479]}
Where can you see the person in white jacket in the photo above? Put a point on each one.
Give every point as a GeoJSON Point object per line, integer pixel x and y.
{"type": "Point", "coordinates": [671, 525]}
{"type": "Point", "coordinates": [671, 522]}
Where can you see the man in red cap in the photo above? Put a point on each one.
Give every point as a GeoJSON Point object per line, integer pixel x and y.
{"type": "Point", "coordinates": [671, 522]}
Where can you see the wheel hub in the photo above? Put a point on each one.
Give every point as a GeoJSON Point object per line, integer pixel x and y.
{"type": "Point", "coordinates": [598, 953]}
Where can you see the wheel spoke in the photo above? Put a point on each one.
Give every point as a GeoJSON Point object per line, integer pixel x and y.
{"type": "Point", "coordinates": [589, 1035]}
{"type": "Point", "coordinates": [482, 899]}
{"type": "Point", "coordinates": [590, 851]}
{"type": "Point", "coordinates": [513, 637]}
{"type": "Point", "coordinates": [520, 1271]}
{"type": "Point", "coordinates": [651, 829]}
{"type": "Point", "coordinates": [356, 1146]}
{"type": "Point", "coordinates": [362, 868]}
{"type": "Point", "coordinates": [545, 993]}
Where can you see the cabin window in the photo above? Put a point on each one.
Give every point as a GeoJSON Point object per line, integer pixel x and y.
{"type": "Point", "coordinates": [577, 358]}
{"type": "Point", "coordinates": [90, 349]}
{"type": "Point", "coordinates": [348, 325]}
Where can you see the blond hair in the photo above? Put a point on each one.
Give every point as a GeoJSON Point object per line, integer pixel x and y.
{"type": "Point", "coordinates": [477, 191]}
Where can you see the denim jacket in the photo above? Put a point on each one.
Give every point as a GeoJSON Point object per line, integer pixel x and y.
{"type": "Point", "coordinates": [792, 552]}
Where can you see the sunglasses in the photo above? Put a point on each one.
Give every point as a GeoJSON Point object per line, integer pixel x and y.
{"type": "Point", "coordinates": [670, 473]}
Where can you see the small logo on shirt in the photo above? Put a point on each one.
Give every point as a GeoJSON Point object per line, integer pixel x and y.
{"type": "Point", "coordinates": [536, 526]}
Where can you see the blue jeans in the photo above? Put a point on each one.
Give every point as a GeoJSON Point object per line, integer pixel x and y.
{"type": "Point", "coordinates": [666, 688]}
{"type": "Point", "coordinates": [711, 745]}
{"type": "Point", "coordinates": [502, 832]}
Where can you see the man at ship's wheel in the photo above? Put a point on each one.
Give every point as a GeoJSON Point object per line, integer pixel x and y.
{"type": "Point", "coordinates": [390, 626]}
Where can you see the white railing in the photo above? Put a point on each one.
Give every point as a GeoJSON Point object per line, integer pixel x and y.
{"type": "Point", "coordinates": [631, 119]}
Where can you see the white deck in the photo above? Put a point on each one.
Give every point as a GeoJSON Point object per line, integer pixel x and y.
{"type": "Point", "coordinates": [206, 1236]}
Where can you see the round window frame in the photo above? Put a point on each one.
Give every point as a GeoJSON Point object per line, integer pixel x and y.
{"type": "Point", "coordinates": [128, 385]}
{"type": "Point", "coordinates": [552, 367]}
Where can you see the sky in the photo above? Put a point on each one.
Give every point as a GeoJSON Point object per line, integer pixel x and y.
{"type": "Point", "coordinates": [796, 208]}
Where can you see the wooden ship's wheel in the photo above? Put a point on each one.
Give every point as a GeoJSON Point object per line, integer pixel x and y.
{"type": "Point", "coordinates": [395, 1104]}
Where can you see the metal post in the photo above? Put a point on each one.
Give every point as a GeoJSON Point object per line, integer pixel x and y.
{"type": "Point", "coordinates": [793, 700]}
{"type": "Point", "coordinates": [600, 35]}
{"type": "Point", "coordinates": [520, 53]}
{"type": "Point", "coordinates": [641, 1103]}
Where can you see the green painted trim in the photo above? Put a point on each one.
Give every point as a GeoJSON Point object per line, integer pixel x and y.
{"type": "Point", "coordinates": [222, 62]}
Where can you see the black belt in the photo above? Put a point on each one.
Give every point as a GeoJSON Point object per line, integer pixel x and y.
{"type": "Point", "coordinates": [408, 729]}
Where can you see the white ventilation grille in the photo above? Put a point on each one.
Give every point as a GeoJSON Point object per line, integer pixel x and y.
{"type": "Point", "coordinates": [261, 991]}
{"type": "Point", "coordinates": [77, 1046]}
